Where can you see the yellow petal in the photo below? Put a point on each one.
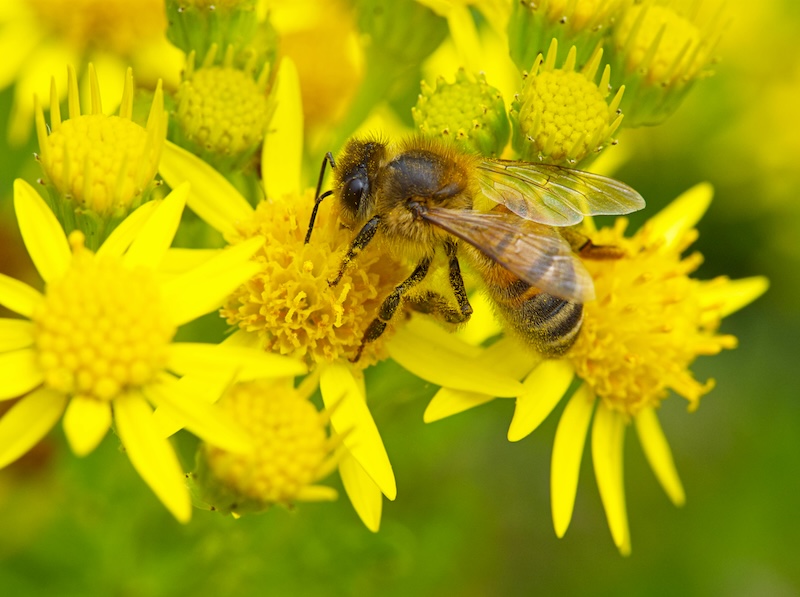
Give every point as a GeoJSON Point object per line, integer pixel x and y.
{"type": "Point", "coordinates": [198, 416]}
{"type": "Point", "coordinates": [428, 331]}
{"type": "Point", "coordinates": [544, 387]}
{"type": "Point", "coordinates": [15, 334]}
{"type": "Point", "coordinates": [732, 295]}
{"type": "Point", "coordinates": [658, 454]}
{"type": "Point", "coordinates": [44, 238]}
{"type": "Point", "coordinates": [446, 368]}
{"type": "Point", "coordinates": [156, 234]}
{"type": "Point", "coordinates": [27, 422]}
{"type": "Point", "coordinates": [481, 326]}
{"type": "Point", "coordinates": [212, 198]}
{"type": "Point", "coordinates": [179, 261]}
{"type": "Point", "coordinates": [18, 296]}
{"type": "Point", "coordinates": [447, 402]}
{"type": "Point", "coordinates": [608, 435]}
{"type": "Point", "coordinates": [682, 214]}
{"type": "Point", "coordinates": [86, 423]}
{"type": "Point", "coordinates": [152, 455]}
{"type": "Point", "coordinates": [16, 44]}
{"type": "Point", "coordinates": [19, 373]}
{"type": "Point", "coordinates": [465, 36]}
{"type": "Point", "coordinates": [351, 419]}
{"type": "Point", "coordinates": [204, 288]}
{"type": "Point", "coordinates": [317, 493]}
{"type": "Point", "coordinates": [247, 363]}
{"type": "Point", "coordinates": [567, 453]}
{"type": "Point", "coordinates": [364, 494]}
{"type": "Point", "coordinates": [282, 153]}
{"type": "Point", "coordinates": [208, 387]}
{"type": "Point", "coordinates": [122, 236]}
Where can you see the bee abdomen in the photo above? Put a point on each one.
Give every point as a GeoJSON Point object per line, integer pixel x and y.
{"type": "Point", "coordinates": [550, 324]}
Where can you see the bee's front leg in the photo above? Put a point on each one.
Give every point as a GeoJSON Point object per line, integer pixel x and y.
{"type": "Point", "coordinates": [361, 240]}
{"type": "Point", "coordinates": [390, 304]}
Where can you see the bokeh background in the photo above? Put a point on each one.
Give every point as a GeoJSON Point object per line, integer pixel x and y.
{"type": "Point", "coordinates": [473, 513]}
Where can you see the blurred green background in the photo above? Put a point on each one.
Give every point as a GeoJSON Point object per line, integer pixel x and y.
{"type": "Point", "coordinates": [473, 512]}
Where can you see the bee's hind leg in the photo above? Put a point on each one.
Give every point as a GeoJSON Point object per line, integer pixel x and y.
{"type": "Point", "coordinates": [390, 304]}
{"type": "Point", "coordinates": [435, 304]}
{"type": "Point", "coordinates": [456, 281]}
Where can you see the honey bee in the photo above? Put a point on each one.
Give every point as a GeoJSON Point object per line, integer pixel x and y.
{"type": "Point", "coordinates": [509, 219]}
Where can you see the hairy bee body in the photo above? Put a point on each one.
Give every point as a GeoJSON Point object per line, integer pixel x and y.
{"type": "Point", "coordinates": [547, 323]}
{"type": "Point", "coordinates": [423, 196]}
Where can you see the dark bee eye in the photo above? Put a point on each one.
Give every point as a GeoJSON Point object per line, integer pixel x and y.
{"type": "Point", "coordinates": [352, 192]}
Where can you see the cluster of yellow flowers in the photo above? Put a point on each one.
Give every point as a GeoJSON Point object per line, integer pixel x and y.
{"type": "Point", "coordinates": [262, 94]}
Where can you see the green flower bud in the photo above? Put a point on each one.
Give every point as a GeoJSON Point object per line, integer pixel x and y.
{"type": "Point", "coordinates": [222, 111]}
{"type": "Point", "coordinates": [469, 112]}
{"type": "Point", "coordinates": [581, 24]}
{"type": "Point", "coordinates": [196, 24]}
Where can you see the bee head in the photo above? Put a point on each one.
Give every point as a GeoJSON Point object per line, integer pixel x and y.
{"type": "Point", "coordinates": [356, 169]}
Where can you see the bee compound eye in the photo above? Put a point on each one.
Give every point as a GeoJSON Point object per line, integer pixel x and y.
{"type": "Point", "coordinates": [352, 192]}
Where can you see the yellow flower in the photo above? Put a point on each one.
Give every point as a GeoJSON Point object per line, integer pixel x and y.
{"type": "Point", "coordinates": [640, 336]}
{"type": "Point", "coordinates": [41, 37]}
{"type": "Point", "coordinates": [292, 450]}
{"type": "Point", "coordinates": [292, 308]}
{"type": "Point", "coordinates": [99, 341]}
{"type": "Point", "coordinates": [98, 168]}
{"type": "Point", "coordinates": [561, 115]}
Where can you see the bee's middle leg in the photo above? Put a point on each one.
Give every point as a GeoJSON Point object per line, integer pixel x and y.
{"type": "Point", "coordinates": [390, 304]}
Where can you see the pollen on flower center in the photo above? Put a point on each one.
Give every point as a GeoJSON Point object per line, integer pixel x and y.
{"type": "Point", "coordinates": [292, 446]}
{"type": "Point", "coordinates": [290, 304]}
{"type": "Point", "coordinates": [100, 329]}
{"type": "Point", "coordinates": [647, 325]}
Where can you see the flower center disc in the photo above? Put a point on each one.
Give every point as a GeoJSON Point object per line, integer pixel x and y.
{"type": "Point", "coordinates": [100, 330]}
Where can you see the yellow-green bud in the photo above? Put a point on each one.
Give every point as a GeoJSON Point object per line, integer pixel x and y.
{"type": "Point", "coordinates": [194, 25]}
{"type": "Point", "coordinates": [582, 24]}
{"type": "Point", "coordinates": [659, 50]}
{"type": "Point", "coordinates": [561, 116]}
{"type": "Point", "coordinates": [222, 111]}
{"type": "Point", "coordinates": [468, 112]}
{"type": "Point", "coordinates": [98, 168]}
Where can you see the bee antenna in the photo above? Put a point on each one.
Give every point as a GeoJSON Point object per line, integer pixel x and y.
{"type": "Point", "coordinates": [317, 197]}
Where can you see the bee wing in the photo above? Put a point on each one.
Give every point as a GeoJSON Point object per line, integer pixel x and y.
{"type": "Point", "coordinates": [554, 195]}
{"type": "Point", "coordinates": [536, 253]}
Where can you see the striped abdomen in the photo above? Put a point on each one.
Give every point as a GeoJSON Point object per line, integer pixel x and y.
{"type": "Point", "coordinates": [548, 323]}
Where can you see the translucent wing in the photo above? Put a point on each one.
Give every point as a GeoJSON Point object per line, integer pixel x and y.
{"type": "Point", "coordinates": [536, 253]}
{"type": "Point", "coordinates": [554, 195]}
